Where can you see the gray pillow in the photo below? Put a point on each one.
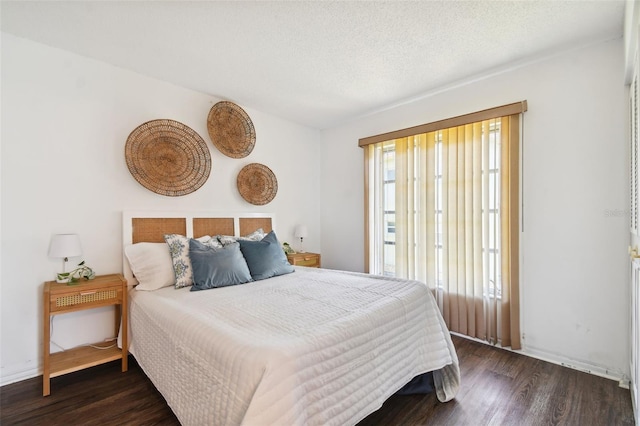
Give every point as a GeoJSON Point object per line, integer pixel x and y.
{"type": "Point", "coordinates": [214, 268]}
{"type": "Point", "coordinates": [265, 258]}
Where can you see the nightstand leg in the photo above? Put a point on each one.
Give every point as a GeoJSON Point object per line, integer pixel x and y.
{"type": "Point", "coordinates": [118, 319]}
{"type": "Point", "coordinates": [125, 328]}
{"type": "Point", "coordinates": [46, 338]}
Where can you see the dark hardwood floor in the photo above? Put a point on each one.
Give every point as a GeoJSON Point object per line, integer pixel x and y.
{"type": "Point", "coordinates": [498, 388]}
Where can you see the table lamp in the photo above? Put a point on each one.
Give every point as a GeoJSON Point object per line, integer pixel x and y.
{"type": "Point", "coordinates": [65, 246]}
{"type": "Point", "coordinates": [301, 232]}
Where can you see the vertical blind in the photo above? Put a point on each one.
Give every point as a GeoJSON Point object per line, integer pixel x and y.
{"type": "Point", "coordinates": [442, 207]}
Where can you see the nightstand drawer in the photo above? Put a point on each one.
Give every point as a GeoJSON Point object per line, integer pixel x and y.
{"type": "Point", "coordinates": [103, 290]}
{"type": "Point", "coordinates": [95, 297]}
{"type": "Point", "coordinates": [311, 260]}
{"type": "Point", "coordinates": [308, 261]}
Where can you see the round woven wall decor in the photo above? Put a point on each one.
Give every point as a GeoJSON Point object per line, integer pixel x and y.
{"type": "Point", "coordinates": [168, 157]}
{"type": "Point", "coordinates": [257, 184]}
{"type": "Point", "coordinates": [231, 130]}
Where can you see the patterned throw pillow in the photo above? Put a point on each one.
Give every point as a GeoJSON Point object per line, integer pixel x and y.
{"type": "Point", "coordinates": [256, 235]}
{"type": "Point", "coordinates": [179, 250]}
{"type": "Point", "coordinates": [210, 241]}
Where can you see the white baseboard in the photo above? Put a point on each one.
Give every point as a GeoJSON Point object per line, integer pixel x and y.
{"type": "Point", "coordinates": [19, 373]}
{"type": "Point", "coordinates": [597, 370]}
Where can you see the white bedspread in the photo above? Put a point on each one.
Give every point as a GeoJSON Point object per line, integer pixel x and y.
{"type": "Point", "coordinates": [315, 347]}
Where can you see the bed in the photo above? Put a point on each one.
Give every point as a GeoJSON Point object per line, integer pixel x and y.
{"type": "Point", "coordinates": [312, 347]}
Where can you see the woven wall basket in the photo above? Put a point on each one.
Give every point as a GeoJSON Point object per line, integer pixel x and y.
{"type": "Point", "coordinates": [168, 157]}
{"type": "Point", "coordinates": [257, 184]}
{"type": "Point", "coordinates": [231, 130]}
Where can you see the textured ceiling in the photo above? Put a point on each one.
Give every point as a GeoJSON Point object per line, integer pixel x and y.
{"type": "Point", "coordinates": [317, 63]}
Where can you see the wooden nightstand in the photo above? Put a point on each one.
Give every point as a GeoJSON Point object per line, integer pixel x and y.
{"type": "Point", "coordinates": [59, 298]}
{"type": "Point", "coordinates": [304, 259]}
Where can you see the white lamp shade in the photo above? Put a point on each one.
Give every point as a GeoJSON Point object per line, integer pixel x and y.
{"type": "Point", "coordinates": [65, 245]}
{"type": "Point", "coordinates": [301, 231]}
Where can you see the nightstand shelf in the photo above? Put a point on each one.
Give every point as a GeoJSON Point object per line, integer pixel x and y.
{"type": "Point", "coordinates": [311, 260]}
{"type": "Point", "coordinates": [76, 359]}
{"type": "Point", "coordinates": [105, 290]}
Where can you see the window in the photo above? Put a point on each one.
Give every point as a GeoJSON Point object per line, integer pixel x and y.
{"type": "Point", "coordinates": [442, 207]}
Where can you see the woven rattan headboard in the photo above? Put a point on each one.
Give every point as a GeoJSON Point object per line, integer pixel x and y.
{"type": "Point", "coordinates": [151, 227]}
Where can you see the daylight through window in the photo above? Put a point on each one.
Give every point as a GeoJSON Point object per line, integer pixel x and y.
{"type": "Point", "coordinates": [442, 208]}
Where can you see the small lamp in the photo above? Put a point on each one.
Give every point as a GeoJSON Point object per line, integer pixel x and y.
{"type": "Point", "coordinates": [65, 246]}
{"type": "Point", "coordinates": [301, 232]}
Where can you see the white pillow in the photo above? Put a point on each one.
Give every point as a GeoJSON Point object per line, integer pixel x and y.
{"type": "Point", "coordinates": [151, 265]}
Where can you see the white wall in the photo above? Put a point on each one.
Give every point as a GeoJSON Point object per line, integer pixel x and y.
{"type": "Point", "coordinates": [575, 195]}
{"type": "Point", "coordinates": [65, 121]}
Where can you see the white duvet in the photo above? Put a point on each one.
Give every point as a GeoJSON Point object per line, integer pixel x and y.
{"type": "Point", "coordinates": [315, 347]}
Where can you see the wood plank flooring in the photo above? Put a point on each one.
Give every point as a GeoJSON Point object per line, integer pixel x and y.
{"type": "Point", "coordinates": [498, 388]}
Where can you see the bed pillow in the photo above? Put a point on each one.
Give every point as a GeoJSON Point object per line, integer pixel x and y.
{"type": "Point", "coordinates": [210, 241]}
{"type": "Point", "coordinates": [179, 250]}
{"type": "Point", "coordinates": [256, 235]}
{"type": "Point", "coordinates": [265, 258]}
{"type": "Point", "coordinates": [151, 265]}
{"type": "Point", "coordinates": [214, 268]}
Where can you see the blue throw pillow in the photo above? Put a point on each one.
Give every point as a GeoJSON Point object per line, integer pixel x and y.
{"type": "Point", "coordinates": [265, 258]}
{"type": "Point", "coordinates": [217, 267]}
